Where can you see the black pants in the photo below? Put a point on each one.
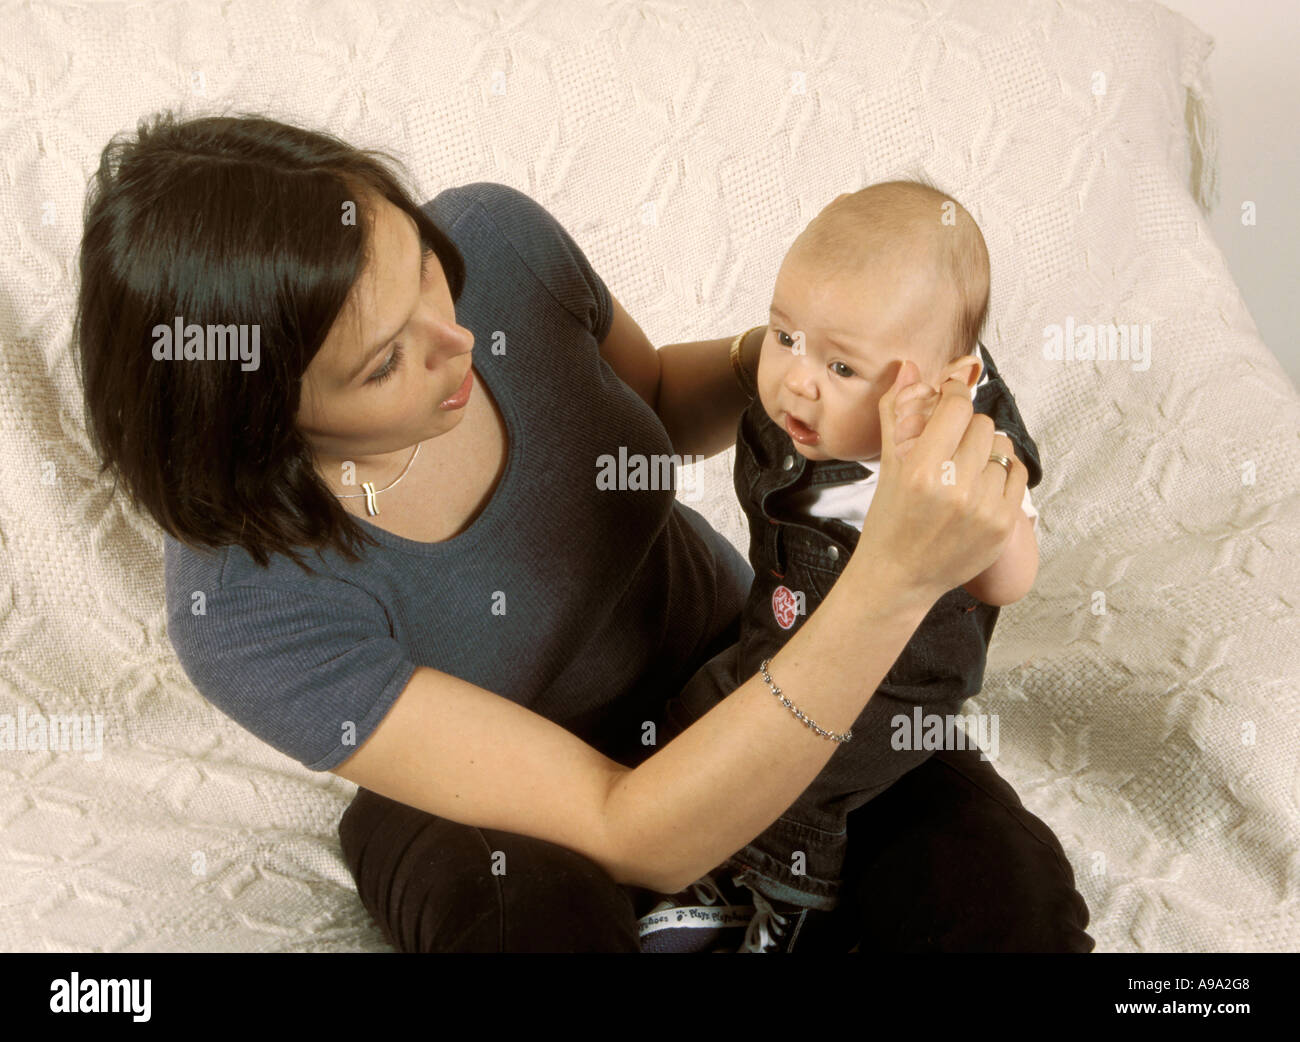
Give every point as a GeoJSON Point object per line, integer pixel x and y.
{"type": "Point", "coordinates": [945, 860]}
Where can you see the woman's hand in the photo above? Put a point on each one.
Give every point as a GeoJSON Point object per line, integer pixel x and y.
{"type": "Point", "coordinates": [913, 406]}
{"type": "Point", "coordinates": [943, 511]}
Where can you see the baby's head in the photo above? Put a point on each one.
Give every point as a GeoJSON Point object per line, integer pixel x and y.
{"type": "Point", "coordinates": [894, 271]}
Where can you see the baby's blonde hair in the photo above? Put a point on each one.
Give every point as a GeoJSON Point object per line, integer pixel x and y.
{"type": "Point", "coordinates": [843, 238]}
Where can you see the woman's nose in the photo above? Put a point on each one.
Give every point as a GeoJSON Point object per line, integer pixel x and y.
{"type": "Point", "coordinates": [448, 340]}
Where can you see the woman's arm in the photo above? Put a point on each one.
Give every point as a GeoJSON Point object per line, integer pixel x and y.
{"type": "Point", "coordinates": [690, 385]}
{"type": "Point", "coordinates": [735, 770]}
{"type": "Point", "coordinates": [463, 753]}
{"type": "Point", "coordinates": [455, 750]}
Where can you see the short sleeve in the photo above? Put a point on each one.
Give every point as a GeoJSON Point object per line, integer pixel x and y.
{"type": "Point", "coordinates": [550, 253]}
{"type": "Point", "coordinates": [996, 401]}
{"type": "Point", "coordinates": [311, 676]}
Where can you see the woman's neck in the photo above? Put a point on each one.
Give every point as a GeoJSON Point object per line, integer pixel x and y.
{"type": "Point", "coordinates": [345, 475]}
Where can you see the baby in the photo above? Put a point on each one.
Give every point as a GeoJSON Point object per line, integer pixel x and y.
{"type": "Point", "coordinates": [894, 271]}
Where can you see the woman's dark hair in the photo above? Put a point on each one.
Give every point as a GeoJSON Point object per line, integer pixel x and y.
{"type": "Point", "coordinates": [225, 220]}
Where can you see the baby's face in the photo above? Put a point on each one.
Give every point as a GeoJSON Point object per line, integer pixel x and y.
{"type": "Point", "coordinates": [833, 344]}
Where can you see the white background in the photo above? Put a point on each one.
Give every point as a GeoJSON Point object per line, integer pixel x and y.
{"type": "Point", "coordinates": [1255, 77]}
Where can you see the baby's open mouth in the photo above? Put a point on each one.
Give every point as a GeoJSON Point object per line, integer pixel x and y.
{"type": "Point", "coordinates": [800, 431]}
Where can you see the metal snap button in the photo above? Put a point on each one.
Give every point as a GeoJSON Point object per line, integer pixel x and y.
{"type": "Point", "coordinates": [787, 463]}
{"type": "Point", "coordinates": [834, 551]}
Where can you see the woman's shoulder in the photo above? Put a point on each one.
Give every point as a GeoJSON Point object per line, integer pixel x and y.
{"type": "Point", "coordinates": [502, 202]}
{"type": "Point", "coordinates": [519, 224]}
{"type": "Point", "coordinates": [209, 572]}
{"type": "Point", "coordinates": [301, 662]}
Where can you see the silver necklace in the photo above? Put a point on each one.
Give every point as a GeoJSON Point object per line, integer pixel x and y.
{"type": "Point", "coordinates": [370, 491]}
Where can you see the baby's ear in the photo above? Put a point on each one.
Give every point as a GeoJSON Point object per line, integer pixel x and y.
{"type": "Point", "coordinates": [968, 369]}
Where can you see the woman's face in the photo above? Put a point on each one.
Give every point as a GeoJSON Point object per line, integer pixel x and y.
{"type": "Point", "coordinates": [394, 353]}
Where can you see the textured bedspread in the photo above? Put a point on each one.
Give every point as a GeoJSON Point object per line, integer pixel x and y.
{"type": "Point", "coordinates": [1146, 690]}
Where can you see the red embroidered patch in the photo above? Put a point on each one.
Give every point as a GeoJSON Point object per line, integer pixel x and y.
{"type": "Point", "coordinates": [784, 604]}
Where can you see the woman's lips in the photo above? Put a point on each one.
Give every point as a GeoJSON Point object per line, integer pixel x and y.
{"type": "Point", "coordinates": [462, 393]}
{"type": "Point", "coordinates": [800, 431]}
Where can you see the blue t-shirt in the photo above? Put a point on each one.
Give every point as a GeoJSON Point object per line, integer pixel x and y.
{"type": "Point", "coordinates": [612, 598]}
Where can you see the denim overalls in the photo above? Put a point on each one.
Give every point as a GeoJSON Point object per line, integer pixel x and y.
{"type": "Point", "coordinates": [941, 666]}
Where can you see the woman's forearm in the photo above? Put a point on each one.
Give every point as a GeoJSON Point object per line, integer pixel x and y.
{"type": "Point", "coordinates": [700, 400]}
{"type": "Point", "coordinates": [734, 771]}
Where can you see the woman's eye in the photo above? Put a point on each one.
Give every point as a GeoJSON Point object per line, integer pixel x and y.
{"type": "Point", "coordinates": [389, 367]}
{"type": "Point", "coordinates": [847, 371]}
{"type": "Point", "coordinates": [395, 359]}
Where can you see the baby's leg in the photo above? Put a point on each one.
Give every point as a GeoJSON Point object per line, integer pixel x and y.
{"type": "Point", "coordinates": [800, 857]}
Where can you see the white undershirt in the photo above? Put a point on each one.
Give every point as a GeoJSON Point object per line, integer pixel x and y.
{"type": "Point", "coordinates": [849, 501]}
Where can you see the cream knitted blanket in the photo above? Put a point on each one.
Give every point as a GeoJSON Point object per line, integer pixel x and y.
{"type": "Point", "coordinates": [1146, 690]}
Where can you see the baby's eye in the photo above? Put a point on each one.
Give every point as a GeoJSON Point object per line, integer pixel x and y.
{"type": "Point", "coordinates": [846, 370]}
{"type": "Point", "coordinates": [779, 335]}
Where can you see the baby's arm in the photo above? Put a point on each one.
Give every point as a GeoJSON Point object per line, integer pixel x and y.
{"type": "Point", "coordinates": [1012, 575]}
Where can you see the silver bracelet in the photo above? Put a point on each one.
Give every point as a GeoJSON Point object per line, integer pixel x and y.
{"type": "Point", "coordinates": [791, 706]}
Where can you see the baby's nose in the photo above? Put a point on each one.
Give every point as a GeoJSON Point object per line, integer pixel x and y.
{"type": "Point", "coordinates": [800, 381]}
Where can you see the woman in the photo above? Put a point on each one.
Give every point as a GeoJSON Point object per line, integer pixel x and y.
{"type": "Point", "coordinates": [389, 557]}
